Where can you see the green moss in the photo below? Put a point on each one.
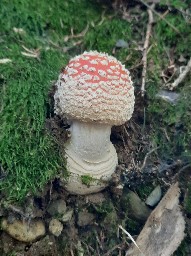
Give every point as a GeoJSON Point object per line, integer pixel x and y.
{"type": "Point", "coordinates": [176, 122]}
{"type": "Point", "coordinates": [173, 118]}
{"type": "Point", "coordinates": [183, 249]}
{"type": "Point", "coordinates": [132, 226]}
{"type": "Point", "coordinates": [28, 153]}
{"type": "Point", "coordinates": [144, 190]}
{"type": "Point", "coordinates": [174, 3]}
{"type": "Point", "coordinates": [187, 203]}
{"type": "Point", "coordinates": [104, 208]}
{"type": "Point", "coordinates": [104, 37]}
{"type": "Point", "coordinates": [87, 180]}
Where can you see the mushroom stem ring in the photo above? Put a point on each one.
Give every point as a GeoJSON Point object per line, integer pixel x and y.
{"type": "Point", "coordinates": [90, 153]}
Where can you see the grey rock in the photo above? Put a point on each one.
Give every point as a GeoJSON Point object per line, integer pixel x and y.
{"type": "Point", "coordinates": [85, 218]}
{"type": "Point", "coordinates": [55, 227]}
{"type": "Point", "coordinates": [57, 207]}
{"type": "Point", "coordinates": [134, 206]}
{"type": "Point", "coordinates": [96, 198]}
{"type": "Point", "coordinates": [171, 97]}
{"type": "Point", "coordinates": [154, 196]}
{"type": "Point", "coordinates": [67, 216]}
{"type": "Point", "coordinates": [121, 44]}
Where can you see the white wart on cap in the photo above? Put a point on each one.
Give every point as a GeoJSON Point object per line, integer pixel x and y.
{"type": "Point", "coordinates": [95, 87]}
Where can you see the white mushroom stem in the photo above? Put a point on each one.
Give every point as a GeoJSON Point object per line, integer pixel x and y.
{"type": "Point", "coordinates": [90, 152]}
{"type": "Point", "coordinates": [90, 141]}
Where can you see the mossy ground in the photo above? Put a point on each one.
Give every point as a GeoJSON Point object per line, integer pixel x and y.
{"type": "Point", "coordinates": [29, 155]}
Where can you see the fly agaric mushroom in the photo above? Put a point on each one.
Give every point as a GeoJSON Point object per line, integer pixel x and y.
{"type": "Point", "coordinates": [94, 92]}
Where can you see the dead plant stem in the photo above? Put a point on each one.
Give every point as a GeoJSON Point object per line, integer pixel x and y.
{"type": "Point", "coordinates": [147, 155]}
{"type": "Point", "coordinates": [145, 50]}
{"type": "Point", "coordinates": [181, 76]}
{"type": "Point", "coordinates": [159, 15]}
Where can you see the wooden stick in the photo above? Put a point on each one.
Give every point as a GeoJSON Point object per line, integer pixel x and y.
{"type": "Point", "coordinates": [159, 15]}
{"type": "Point", "coordinates": [181, 76]}
{"type": "Point", "coordinates": [164, 229]}
{"type": "Point", "coordinates": [145, 50]}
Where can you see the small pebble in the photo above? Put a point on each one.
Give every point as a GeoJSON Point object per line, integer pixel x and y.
{"type": "Point", "coordinates": [55, 227]}
{"type": "Point", "coordinates": [154, 197]}
{"type": "Point", "coordinates": [121, 44]}
{"type": "Point", "coordinates": [170, 97]}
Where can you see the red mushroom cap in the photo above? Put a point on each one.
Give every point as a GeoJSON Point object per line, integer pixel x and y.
{"type": "Point", "coordinates": [95, 87]}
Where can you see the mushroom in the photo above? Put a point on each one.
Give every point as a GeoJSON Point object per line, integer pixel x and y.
{"type": "Point", "coordinates": [94, 92]}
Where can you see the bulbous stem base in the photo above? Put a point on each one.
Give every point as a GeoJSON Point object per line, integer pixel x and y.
{"type": "Point", "coordinates": [91, 158]}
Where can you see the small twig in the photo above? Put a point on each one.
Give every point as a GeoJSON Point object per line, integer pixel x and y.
{"type": "Point", "coordinates": [54, 44]}
{"type": "Point", "coordinates": [74, 44]}
{"type": "Point", "coordinates": [102, 18]}
{"type": "Point", "coordinates": [5, 60]}
{"type": "Point", "coordinates": [169, 79]}
{"type": "Point", "coordinates": [98, 240]}
{"type": "Point", "coordinates": [146, 157]}
{"type": "Point", "coordinates": [34, 53]}
{"type": "Point", "coordinates": [81, 34]}
{"type": "Point", "coordinates": [131, 238]}
{"type": "Point", "coordinates": [159, 15]}
{"type": "Point", "coordinates": [166, 134]}
{"type": "Point", "coordinates": [135, 66]}
{"type": "Point", "coordinates": [180, 172]}
{"type": "Point", "coordinates": [72, 252]}
{"type": "Point", "coordinates": [166, 183]}
{"type": "Point", "coordinates": [88, 248]}
{"type": "Point", "coordinates": [145, 50]}
{"type": "Point", "coordinates": [181, 77]}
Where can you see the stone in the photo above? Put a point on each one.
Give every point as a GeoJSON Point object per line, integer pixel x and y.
{"type": "Point", "coordinates": [134, 206]}
{"type": "Point", "coordinates": [57, 207]}
{"type": "Point", "coordinates": [121, 44]}
{"type": "Point", "coordinates": [171, 97]}
{"type": "Point", "coordinates": [55, 227]}
{"type": "Point", "coordinates": [96, 198]}
{"type": "Point", "coordinates": [67, 216]}
{"type": "Point", "coordinates": [85, 218]}
{"type": "Point", "coordinates": [154, 196]}
{"type": "Point", "coordinates": [24, 231]}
